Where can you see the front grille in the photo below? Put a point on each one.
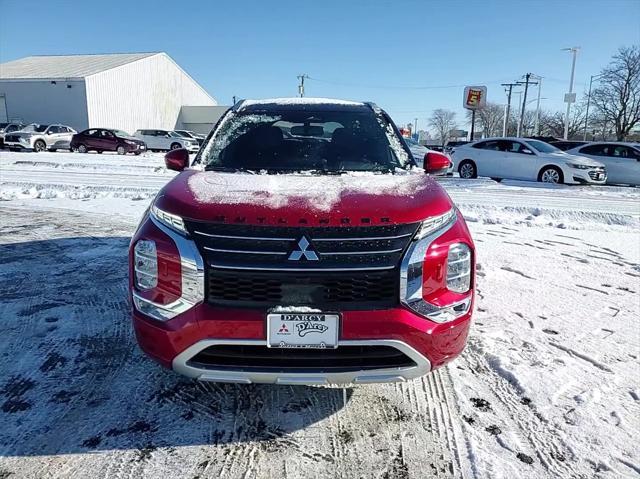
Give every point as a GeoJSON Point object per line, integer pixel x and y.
{"type": "Point", "coordinates": [264, 359]}
{"type": "Point", "coordinates": [341, 291]}
{"type": "Point", "coordinates": [250, 266]}
{"type": "Point", "coordinates": [11, 138]}
{"type": "Point", "coordinates": [269, 248]}
{"type": "Point", "coordinates": [597, 174]}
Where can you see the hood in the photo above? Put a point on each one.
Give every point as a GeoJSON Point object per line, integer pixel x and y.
{"type": "Point", "coordinates": [302, 199]}
{"type": "Point", "coordinates": [581, 160]}
{"type": "Point", "coordinates": [130, 138]}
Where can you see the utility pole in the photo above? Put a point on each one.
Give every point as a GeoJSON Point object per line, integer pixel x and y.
{"type": "Point", "coordinates": [538, 106]}
{"type": "Point", "coordinates": [526, 84]}
{"type": "Point", "coordinates": [234, 99]}
{"type": "Point", "coordinates": [415, 126]}
{"type": "Point", "coordinates": [301, 85]}
{"type": "Point", "coordinates": [586, 116]}
{"type": "Point", "coordinates": [506, 116]}
{"type": "Point", "coordinates": [569, 98]}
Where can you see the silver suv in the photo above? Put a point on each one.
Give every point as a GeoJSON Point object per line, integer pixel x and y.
{"type": "Point", "coordinates": [40, 138]}
{"type": "Point", "coordinates": [8, 128]}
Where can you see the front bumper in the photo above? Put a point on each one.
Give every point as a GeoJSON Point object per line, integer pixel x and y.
{"type": "Point", "coordinates": [173, 343]}
{"type": "Point", "coordinates": [22, 144]}
{"type": "Point", "coordinates": [592, 176]}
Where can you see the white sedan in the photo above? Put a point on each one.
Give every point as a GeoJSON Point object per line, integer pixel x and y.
{"type": "Point", "coordinates": [525, 159]}
{"type": "Point", "coordinates": [622, 160]}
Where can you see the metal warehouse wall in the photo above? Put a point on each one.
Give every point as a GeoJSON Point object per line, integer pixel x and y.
{"type": "Point", "coordinates": [147, 93]}
{"type": "Point", "coordinates": [41, 101]}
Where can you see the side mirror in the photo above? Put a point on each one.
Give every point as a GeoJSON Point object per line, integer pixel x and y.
{"type": "Point", "coordinates": [436, 163]}
{"type": "Point", "coordinates": [527, 151]}
{"type": "Point", "coordinates": [177, 160]}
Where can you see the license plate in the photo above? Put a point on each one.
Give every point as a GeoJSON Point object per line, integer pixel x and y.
{"type": "Point", "coordinates": [303, 330]}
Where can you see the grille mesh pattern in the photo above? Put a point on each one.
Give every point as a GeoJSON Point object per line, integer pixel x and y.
{"type": "Point", "coordinates": [261, 358]}
{"type": "Point", "coordinates": [340, 291]}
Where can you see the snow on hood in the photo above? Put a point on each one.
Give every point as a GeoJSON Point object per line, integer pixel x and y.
{"type": "Point", "coordinates": [323, 192]}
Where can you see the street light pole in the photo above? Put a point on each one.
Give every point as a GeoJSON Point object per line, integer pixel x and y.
{"type": "Point", "coordinates": [569, 98]}
{"type": "Point", "coordinates": [586, 116]}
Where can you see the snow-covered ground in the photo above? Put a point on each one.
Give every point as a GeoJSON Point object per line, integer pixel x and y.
{"type": "Point", "coordinates": [548, 387]}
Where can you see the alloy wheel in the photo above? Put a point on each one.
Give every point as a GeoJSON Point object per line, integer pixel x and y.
{"type": "Point", "coordinates": [467, 171]}
{"type": "Point", "coordinates": [550, 176]}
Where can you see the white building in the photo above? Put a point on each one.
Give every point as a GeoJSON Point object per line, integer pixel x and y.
{"type": "Point", "coordinates": [127, 91]}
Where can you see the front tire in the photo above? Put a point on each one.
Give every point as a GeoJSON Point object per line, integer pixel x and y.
{"type": "Point", "coordinates": [176, 146]}
{"type": "Point", "coordinates": [81, 149]}
{"type": "Point", "coordinates": [468, 170]}
{"type": "Point", "coordinates": [551, 174]}
{"type": "Point", "coordinates": [39, 146]}
{"type": "Point", "coordinates": [121, 151]}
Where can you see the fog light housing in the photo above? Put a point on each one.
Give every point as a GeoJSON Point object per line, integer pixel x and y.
{"type": "Point", "coordinates": [145, 265]}
{"type": "Point", "coordinates": [459, 268]}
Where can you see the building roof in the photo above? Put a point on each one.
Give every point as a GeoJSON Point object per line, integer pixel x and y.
{"type": "Point", "coordinates": [65, 66]}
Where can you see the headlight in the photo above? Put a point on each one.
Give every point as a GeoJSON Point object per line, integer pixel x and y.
{"type": "Point", "coordinates": [129, 142]}
{"type": "Point", "coordinates": [172, 221]}
{"type": "Point", "coordinates": [145, 264]}
{"type": "Point", "coordinates": [430, 225]}
{"type": "Point", "coordinates": [459, 268]}
{"type": "Point", "coordinates": [578, 166]}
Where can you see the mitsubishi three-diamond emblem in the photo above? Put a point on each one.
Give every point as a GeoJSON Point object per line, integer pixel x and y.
{"type": "Point", "coordinates": [303, 250]}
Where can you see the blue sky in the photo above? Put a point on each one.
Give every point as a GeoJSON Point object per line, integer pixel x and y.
{"type": "Point", "coordinates": [384, 51]}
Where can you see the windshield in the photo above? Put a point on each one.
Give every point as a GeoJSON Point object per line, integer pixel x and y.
{"type": "Point", "coordinates": [183, 133]}
{"type": "Point", "coordinates": [305, 140]}
{"type": "Point", "coordinates": [120, 133]}
{"type": "Point", "coordinates": [543, 147]}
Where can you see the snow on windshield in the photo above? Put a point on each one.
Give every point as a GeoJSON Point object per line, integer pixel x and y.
{"type": "Point", "coordinates": [300, 101]}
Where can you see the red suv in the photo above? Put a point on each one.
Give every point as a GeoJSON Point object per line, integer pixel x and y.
{"type": "Point", "coordinates": [303, 246]}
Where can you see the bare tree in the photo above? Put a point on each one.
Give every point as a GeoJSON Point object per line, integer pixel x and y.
{"type": "Point", "coordinates": [489, 119]}
{"type": "Point", "coordinates": [443, 121]}
{"type": "Point", "coordinates": [552, 123]}
{"type": "Point", "coordinates": [617, 99]}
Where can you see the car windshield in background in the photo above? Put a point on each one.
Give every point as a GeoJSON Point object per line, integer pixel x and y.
{"type": "Point", "coordinates": [543, 147]}
{"type": "Point", "coordinates": [35, 128]}
{"type": "Point", "coordinates": [120, 133]}
{"type": "Point", "coordinates": [186, 134]}
{"type": "Point", "coordinates": [304, 140]}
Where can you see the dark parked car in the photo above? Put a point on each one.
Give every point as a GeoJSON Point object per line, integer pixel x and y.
{"type": "Point", "coordinates": [107, 139]}
{"type": "Point", "coordinates": [565, 145]}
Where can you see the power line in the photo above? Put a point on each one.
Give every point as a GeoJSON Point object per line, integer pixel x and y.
{"type": "Point", "coordinates": [399, 87]}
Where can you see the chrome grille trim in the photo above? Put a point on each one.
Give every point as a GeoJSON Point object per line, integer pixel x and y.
{"type": "Point", "coordinates": [249, 238]}
{"type": "Point", "coordinates": [297, 270]}
{"type": "Point", "coordinates": [366, 238]}
{"type": "Point", "coordinates": [239, 251]}
{"type": "Point", "coordinates": [389, 251]}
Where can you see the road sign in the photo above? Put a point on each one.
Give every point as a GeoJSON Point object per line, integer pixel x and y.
{"type": "Point", "coordinates": [569, 97]}
{"type": "Point", "coordinates": [475, 97]}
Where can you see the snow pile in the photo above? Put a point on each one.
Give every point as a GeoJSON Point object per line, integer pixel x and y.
{"type": "Point", "coordinates": [320, 192]}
